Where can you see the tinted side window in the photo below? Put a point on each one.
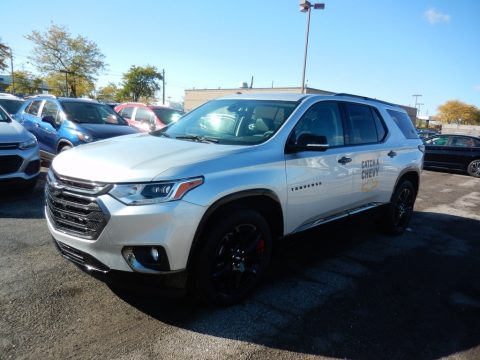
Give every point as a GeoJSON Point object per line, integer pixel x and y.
{"type": "Point", "coordinates": [50, 109]}
{"type": "Point", "coordinates": [404, 123]}
{"type": "Point", "coordinates": [437, 140]}
{"type": "Point", "coordinates": [34, 107]}
{"type": "Point", "coordinates": [380, 125]}
{"type": "Point", "coordinates": [459, 141]}
{"type": "Point", "coordinates": [363, 128]}
{"type": "Point", "coordinates": [143, 115]}
{"type": "Point", "coordinates": [11, 105]}
{"type": "Point", "coordinates": [127, 112]}
{"type": "Point", "coordinates": [322, 119]}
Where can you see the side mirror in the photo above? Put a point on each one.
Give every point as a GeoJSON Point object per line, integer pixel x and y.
{"type": "Point", "coordinates": [50, 120]}
{"type": "Point", "coordinates": [309, 142]}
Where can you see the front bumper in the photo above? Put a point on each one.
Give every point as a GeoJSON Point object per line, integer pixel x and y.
{"type": "Point", "coordinates": [171, 226]}
{"type": "Point", "coordinates": [19, 164]}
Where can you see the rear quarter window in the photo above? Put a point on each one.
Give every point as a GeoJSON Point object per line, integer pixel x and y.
{"type": "Point", "coordinates": [34, 107]}
{"type": "Point", "coordinates": [365, 124]}
{"type": "Point", "coordinates": [404, 123]}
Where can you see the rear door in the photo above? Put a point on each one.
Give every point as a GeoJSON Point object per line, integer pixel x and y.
{"type": "Point", "coordinates": [437, 151]}
{"type": "Point", "coordinates": [30, 119]}
{"type": "Point", "coordinates": [372, 173]}
{"type": "Point", "coordinates": [144, 119]}
{"type": "Point", "coordinates": [461, 151]}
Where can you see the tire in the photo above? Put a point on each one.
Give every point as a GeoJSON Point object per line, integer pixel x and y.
{"type": "Point", "coordinates": [398, 213]}
{"type": "Point", "coordinates": [65, 148]}
{"type": "Point", "coordinates": [473, 168]}
{"type": "Point", "coordinates": [233, 258]}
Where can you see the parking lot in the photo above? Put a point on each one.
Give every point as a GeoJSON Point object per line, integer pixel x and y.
{"type": "Point", "coordinates": [340, 291]}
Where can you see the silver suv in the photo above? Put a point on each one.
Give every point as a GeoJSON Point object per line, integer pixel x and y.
{"type": "Point", "coordinates": [210, 194]}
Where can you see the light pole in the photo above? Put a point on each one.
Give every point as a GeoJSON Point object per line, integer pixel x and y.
{"type": "Point", "coordinates": [306, 6]}
{"type": "Point", "coordinates": [163, 87]}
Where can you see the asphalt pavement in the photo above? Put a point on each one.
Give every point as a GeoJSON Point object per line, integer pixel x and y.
{"type": "Point", "coordinates": [339, 291]}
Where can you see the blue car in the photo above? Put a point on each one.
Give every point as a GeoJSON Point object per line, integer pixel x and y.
{"type": "Point", "coordinates": [61, 123]}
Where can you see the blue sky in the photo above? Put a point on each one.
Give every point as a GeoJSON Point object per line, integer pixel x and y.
{"type": "Point", "coordinates": [379, 48]}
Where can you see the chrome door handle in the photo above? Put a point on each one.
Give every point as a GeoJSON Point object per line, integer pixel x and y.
{"type": "Point", "coordinates": [344, 160]}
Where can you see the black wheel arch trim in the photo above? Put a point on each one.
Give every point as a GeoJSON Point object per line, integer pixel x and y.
{"type": "Point", "coordinates": [410, 169]}
{"type": "Point", "coordinates": [221, 202]}
{"type": "Point", "coordinates": [62, 143]}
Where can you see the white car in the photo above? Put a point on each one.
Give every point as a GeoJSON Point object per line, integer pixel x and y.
{"type": "Point", "coordinates": [211, 193]}
{"type": "Point", "coordinates": [19, 154]}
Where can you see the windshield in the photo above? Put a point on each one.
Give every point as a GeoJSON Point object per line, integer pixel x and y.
{"type": "Point", "coordinates": [91, 113]}
{"type": "Point", "coordinates": [11, 105]}
{"type": "Point", "coordinates": [239, 122]}
{"type": "Point", "coordinates": [167, 116]}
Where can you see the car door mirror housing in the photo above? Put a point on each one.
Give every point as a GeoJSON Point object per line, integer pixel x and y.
{"type": "Point", "coordinates": [309, 142]}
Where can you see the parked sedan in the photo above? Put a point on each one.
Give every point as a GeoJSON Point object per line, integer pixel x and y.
{"type": "Point", "coordinates": [455, 152]}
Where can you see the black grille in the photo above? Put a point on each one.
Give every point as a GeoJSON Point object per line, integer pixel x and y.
{"type": "Point", "coordinates": [73, 208]}
{"type": "Point", "coordinates": [80, 258]}
{"type": "Point", "coordinates": [10, 164]}
{"type": "Point", "coordinates": [33, 167]}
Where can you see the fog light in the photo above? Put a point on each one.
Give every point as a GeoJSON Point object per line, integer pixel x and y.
{"type": "Point", "coordinates": [146, 259]}
{"type": "Point", "coordinates": [154, 253]}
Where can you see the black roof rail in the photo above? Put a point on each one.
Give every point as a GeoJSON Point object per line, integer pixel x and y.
{"type": "Point", "coordinates": [367, 98]}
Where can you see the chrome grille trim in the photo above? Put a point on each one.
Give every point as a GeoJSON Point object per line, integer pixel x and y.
{"type": "Point", "coordinates": [73, 207]}
{"type": "Point", "coordinates": [79, 257]}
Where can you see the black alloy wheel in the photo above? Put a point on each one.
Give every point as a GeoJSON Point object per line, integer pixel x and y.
{"type": "Point", "coordinates": [474, 168]}
{"type": "Point", "coordinates": [400, 210]}
{"type": "Point", "coordinates": [234, 258]}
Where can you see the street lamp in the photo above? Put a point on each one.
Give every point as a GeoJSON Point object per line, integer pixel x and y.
{"type": "Point", "coordinates": [306, 6]}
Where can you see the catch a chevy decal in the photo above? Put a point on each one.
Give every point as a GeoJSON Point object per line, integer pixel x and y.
{"type": "Point", "coordinates": [369, 174]}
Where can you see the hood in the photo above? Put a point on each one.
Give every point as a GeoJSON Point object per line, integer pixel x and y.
{"type": "Point", "coordinates": [135, 158]}
{"type": "Point", "coordinates": [105, 131]}
{"type": "Point", "coordinates": [12, 132]}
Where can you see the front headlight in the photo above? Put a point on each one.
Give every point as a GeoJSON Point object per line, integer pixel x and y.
{"type": "Point", "coordinates": [30, 143]}
{"type": "Point", "coordinates": [82, 136]}
{"type": "Point", "coordinates": [151, 193]}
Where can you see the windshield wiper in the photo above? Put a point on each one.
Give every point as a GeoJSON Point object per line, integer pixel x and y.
{"type": "Point", "coordinates": [198, 138]}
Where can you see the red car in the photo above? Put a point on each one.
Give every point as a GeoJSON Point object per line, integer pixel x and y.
{"type": "Point", "coordinates": [148, 117]}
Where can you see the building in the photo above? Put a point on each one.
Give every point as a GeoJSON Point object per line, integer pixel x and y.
{"type": "Point", "coordinates": [5, 81]}
{"type": "Point", "coordinates": [196, 97]}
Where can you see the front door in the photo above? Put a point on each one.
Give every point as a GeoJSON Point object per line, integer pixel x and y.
{"type": "Point", "coordinates": [319, 182]}
{"type": "Point", "coordinates": [47, 133]}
